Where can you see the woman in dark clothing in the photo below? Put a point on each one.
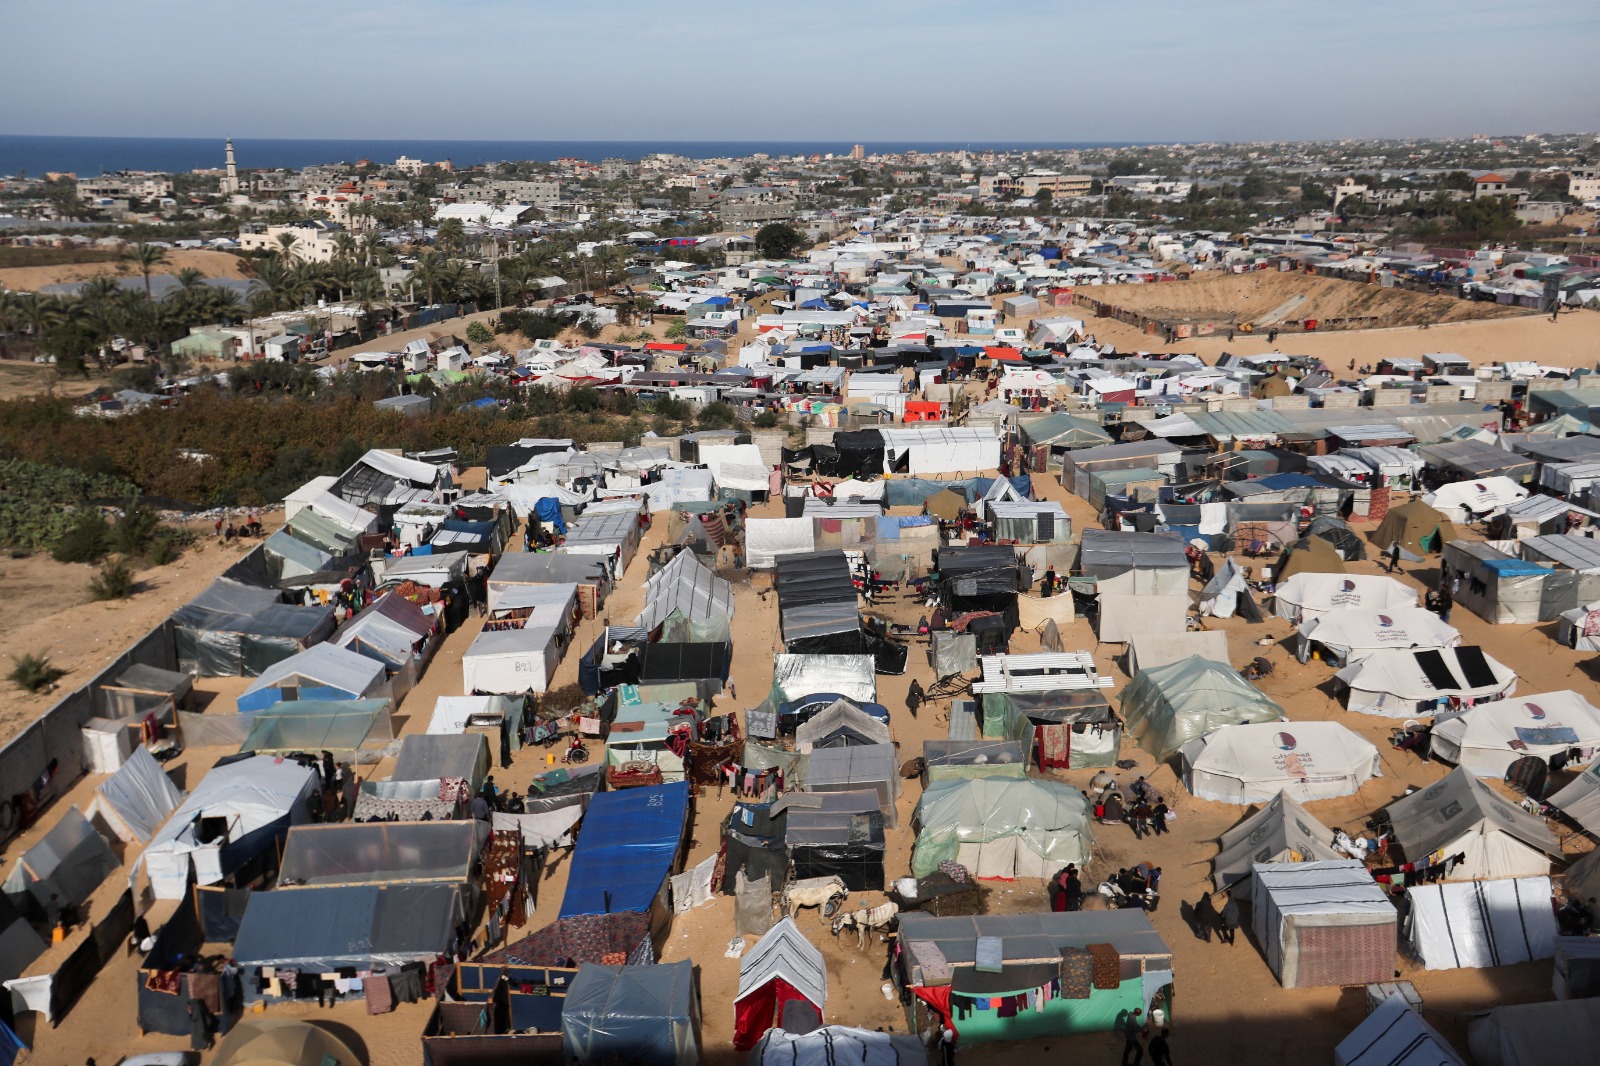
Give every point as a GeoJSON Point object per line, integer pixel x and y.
{"type": "Point", "coordinates": [915, 697]}
{"type": "Point", "coordinates": [199, 1026]}
{"type": "Point", "coordinates": [1205, 918]}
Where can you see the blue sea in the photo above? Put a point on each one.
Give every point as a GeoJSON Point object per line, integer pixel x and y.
{"type": "Point", "coordinates": [90, 156]}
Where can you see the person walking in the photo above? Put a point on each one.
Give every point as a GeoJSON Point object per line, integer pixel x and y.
{"type": "Point", "coordinates": [915, 697]}
{"type": "Point", "coordinates": [1139, 820]}
{"type": "Point", "coordinates": [1394, 557]}
{"type": "Point", "coordinates": [1160, 1054]}
{"type": "Point", "coordinates": [1158, 818]}
{"type": "Point", "coordinates": [1205, 917]}
{"type": "Point", "coordinates": [1229, 921]}
{"type": "Point", "coordinates": [1446, 599]}
{"type": "Point", "coordinates": [1132, 1032]}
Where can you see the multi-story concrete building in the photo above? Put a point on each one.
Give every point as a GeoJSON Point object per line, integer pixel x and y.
{"type": "Point", "coordinates": [313, 240]}
{"type": "Point", "coordinates": [125, 184]}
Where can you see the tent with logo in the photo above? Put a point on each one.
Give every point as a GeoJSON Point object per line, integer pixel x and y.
{"type": "Point", "coordinates": [1403, 683]}
{"type": "Point", "coordinates": [1417, 528]}
{"type": "Point", "coordinates": [1482, 498]}
{"type": "Point", "coordinates": [1488, 738]}
{"type": "Point", "coordinates": [1323, 923]}
{"type": "Point", "coordinates": [1395, 1035]}
{"type": "Point", "coordinates": [1474, 924]}
{"type": "Point", "coordinates": [783, 984]}
{"type": "Point", "coordinates": [1001, 827]}
{"type": "Point", "coordinates": [1253, 763]}
{"type": "Point", "coordinates": [1348, 635]}
{"type": "Point", "coordinates": [1280, 832]}
{"type": "Point", "coordinates": [1166, 707]}
{"type": "Point", "coordinates": [1303, 596]}
{"type": "Point", "coordinates": [1460, 815]}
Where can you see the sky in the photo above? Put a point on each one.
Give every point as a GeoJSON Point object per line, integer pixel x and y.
{"type": "Point", "coordinates": [891, 70]}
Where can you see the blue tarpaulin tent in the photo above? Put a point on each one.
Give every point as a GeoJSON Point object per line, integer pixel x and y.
{"type": "Point", "coordinates": [629, 842]}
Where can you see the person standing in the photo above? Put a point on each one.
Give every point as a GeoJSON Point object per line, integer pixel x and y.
{"type": "Point", "coordinates": [200, 1026]}
{"type": "Point", "coordinates": [1229, 921]}
{"type": "Point", "coordinates": [1446, 599]}
{"type": "Point", "coordinates": [1158, 818]}
{"type": "Point", "coordinates": [1048, 586]}
{"type": "Point", "coordinates": [1160, 1054]}
{"type": "Point", "coordinates": [1394, 557]}
{"type": "Point", "coordinates": [1132, 1031]}
{"type": "Point", "coordinates": [1139, 820]}
{"type": "Point", "coordinates": [915, 697]}
{"type": "Point", "coordinates": [1205, 917]}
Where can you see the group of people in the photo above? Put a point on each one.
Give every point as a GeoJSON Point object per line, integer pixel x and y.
{"type": "Point", "coordinates": [1208, 918]}
{"type": "Point", "coordinates": [228, 532]}
{"type": "Point", "coordinates": [334, 800]}
{"type": "Point", "coordinates": [1146, 812]}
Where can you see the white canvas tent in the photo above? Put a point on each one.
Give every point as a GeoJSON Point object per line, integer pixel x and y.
{"type": "Point", "coordinates": [1279, 833]}
{"type": "Point", "coordinates": [524, 659]}
{"type": "Point", "coordinates": [1146, 650]}
{"type": "Point", "coordinates": [1323, 923]}
{"type": "Point", "coordinates": [736, 466]}
{"type": "Point", "coordinates": [835, 1045]}
{"type": "Point", "coordinates": [1353, 633]}
{"type": "Point", "coordinates": [1580, 801]}
{"type": "Point", "coordinates": [453, 714]}
{"type": "Point", "coordinates": [1401, 683]}
{"type": "Point", "coordinates": [1541, 725]}
{"type": "Point", "coordinates": [136, 799]}
{"type": "Point", "coordinates": [247, 797]}
{"type": "Point", "coordinates": [1394, 1035]}
{"type": "Point", "coordinates": [1461, 500]}
{"type": "Point", "coordinates": [1220, 597]}
{"type": "Point", "coordinates": [1473, 924]}
{"type": "Point", "coordinates": [766, 539]}
{"type": "Point", "coordinates": [1461, 815]}
{"type": "Point", "coordinates": [1309, 595]}
{"type": "Point", "coordinates": [1254, 763]}
{"type": "Point", "coordinates": [941, 450]}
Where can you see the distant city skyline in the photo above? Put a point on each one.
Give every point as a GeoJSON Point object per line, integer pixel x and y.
{"type": "Point", "coordinates": [891, 70]}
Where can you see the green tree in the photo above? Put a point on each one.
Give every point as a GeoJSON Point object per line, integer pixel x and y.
{"type": "Point", "coordinates": [478, 333]}
{"type": "Point", "coordinates": [1042, 200]}
{"type": "Point", "coordinates": [147, 257]}
{"type": "Point", "coordinates": [777, 240]}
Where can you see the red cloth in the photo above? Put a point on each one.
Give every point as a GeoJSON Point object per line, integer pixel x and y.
{"type": "Point", "coordinates": [761, 1010]}
{"type": "Point", "coordinates": [939, 999]}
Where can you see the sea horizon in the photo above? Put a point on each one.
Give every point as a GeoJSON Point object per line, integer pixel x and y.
{"type": "Point", "coordinates": [92, 156]}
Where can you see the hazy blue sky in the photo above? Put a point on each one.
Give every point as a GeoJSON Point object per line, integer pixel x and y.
{"type": "Point", "coordinates": [1041, 70]}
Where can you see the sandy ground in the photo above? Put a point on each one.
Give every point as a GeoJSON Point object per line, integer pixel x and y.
{"type": "Point", "coordinates": [50, 612]}
{"type": "Point", "coordinates": [211, 264]}
{"type": "Point", "coordinates": [1258, 294]}
{"type": "Point", "coordinates": [1228, 1006]}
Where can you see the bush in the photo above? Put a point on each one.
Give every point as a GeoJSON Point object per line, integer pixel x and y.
{"type": "Point", "coordinates": [766, 420]}
{"type": "Point", "coordinates": [33, 672]}
{"type": "Point", "coordinates": [163, 550]}
{"type": "Point", "coordinates": [719, 415]}
{"type": "Point", "coordinates": [135, 530]}
{"type": "Point", "coordinates": [115, 581]}
{"type": "Point", "coordinates": [88, 538]}
{"type": "Point", "coordinates": [478, 333]}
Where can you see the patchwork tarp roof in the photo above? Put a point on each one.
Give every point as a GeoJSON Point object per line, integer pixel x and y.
{"type": "Point", "coordinates": [387, 629]}
{"type": "Point", "coordinates": [1453, 815]}
{"type": "Point", "coordinates": [685, 586]}
{"type": "Point", "coordinates": [1395, 1035]}
{"type": "Point", "coordinates": [1166, 707]}
{"type": "Point", "coordinates": [321, 929]}
{"type": "Point", "coordinates": [629, 845]}
{"type": "Point", "coordinates": [1001, 827]}
{"type": "Point", "coordinates": [1270, 835]}
{"type": "Point", "coordinates": [643, 1015]}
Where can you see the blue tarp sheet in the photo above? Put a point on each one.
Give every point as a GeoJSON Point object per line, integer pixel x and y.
{"type": "Point", "coordinates": [549, 510]}
{"type": "Point", "coordinates": [626, 850]}
{"type": "Point", "coordinates": [1516, 567]}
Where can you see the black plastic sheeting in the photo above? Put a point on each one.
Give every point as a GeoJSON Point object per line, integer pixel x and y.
{"type": "Point", "coordinates": [860, 866]}
{"type": "Point", "coordinates": [981, 579]}
{"type": "Point", "coordinates": [754, 841]}
{"type": "Point", "coordinates": [177, 943]}
{"type": "Point", "coordinates": [858, 454]}
{"type": "Point", "coordinates": [684, 662]}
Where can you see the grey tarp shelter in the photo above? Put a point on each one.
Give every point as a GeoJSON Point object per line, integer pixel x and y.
{"type": "Point", "coordinates": [430, 757]}
{"type": "Point", "coordinates": [374, 853]}
{"type": "Point", "coordinates": [1536, 1034]}
{"type": "Point", "coordinates": [1165, 707]}
{"type": "Point", "coordinates": [1001, 827]}
{"type": "Point", "coordinates": [641, 1015]}
{"type": "Point", "coordinates": [138, 690]}
{"type": "Point", "coordinates": [686, 587]}
{"type": "Point", "coordinates": [835, 834]}
{"type": "Point", "coordinates": [321, 672]}
{"type": "Point", "coordinates": [841, 724]}
{"type": "Point", "coordinates": [780, 969]}
{"type": "Point", "coordinates": [1280, 828]}
{"type": "Point", "coordinates": [1462, 815]}
{"type": "Point", "coordinates": [70, 862]}
{"type": "Point", "coordinates": [234, 630]}
{"type": "Point", "coordinates": [20, 943]}
{"type": "Point", "coordinates": [833, 1045]}
{"type": "Point", "coordinates": [343, 727]}
{"type": "Point", "coordinates": [320, 929]}
{"type": "Point", "coordinates": [817, 609]}
{"type": "Point", "coordinates": [862, 767]}
{"type": "Point", "coordinates": [136, 799]}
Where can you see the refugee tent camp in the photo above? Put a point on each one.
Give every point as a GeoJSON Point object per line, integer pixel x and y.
{"type": "Point", "coordinates": [391, 629]}
{"type": "Point", "coordinates": [1535, 1034]}
{"type": "Point", "coordinates": [1305, 596]}
{"type": "Point", "coordinates": [1462, 816]}
{"type": "Point", "coordinates": [644, 1015]}
{"type": "Point", "coordinates": [1273, 834]}
{"type": "Point", "coordinates": [1403, 683]}
{"type": "Point", "coordinates": [1166, 707]}
{"type": "Point", "coordinates": [630, 844]}
{"type": "Point", "coordinates": [1417, 528]}
{"type": "Point", "coordinates": [1480, 923]}
{"type": "Point", "coordinates": [321, 672]}
{"type": "Point", "coordinates": [783, 984]}
{"type": "Point", "coordinates": [1489, 737]}
{"type": "Point", "coordinates": [252, 801]}
{"type": "Point", "coordinates": [1253, 763]}
{"type": "Point", "coordinates": [1001, 827]}
{"type": "Point", "coordinates": [234, 630]}
{"type": "Point", "coordinates": [1323, 923]}
{"type": "Point", "coordinates": [1141, 581]}
{"type": "Point", "coordinates": [1395, 1035]}
{"type": "Point", "coordinates": [835, 834]}
{"type": "Point", "coordinates": [521, 653]}
{"type": "Point", "coordinates": [360, 926]}
{"type": "Point", "coordinates": [1349, 634]}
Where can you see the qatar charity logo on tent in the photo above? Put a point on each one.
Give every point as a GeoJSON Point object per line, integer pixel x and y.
{"type": "Point", "coordinates": [1535, 712]}
{"type": "Point", "coordinates": [1385, 622]}
{"type": "Point", "coordinates": [1286, 742]}
{"type": "Point", "coordinates": [1349, 585]}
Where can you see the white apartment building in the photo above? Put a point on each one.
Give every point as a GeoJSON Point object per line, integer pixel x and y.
{"type": "Point", "coordinates": [313, 240]}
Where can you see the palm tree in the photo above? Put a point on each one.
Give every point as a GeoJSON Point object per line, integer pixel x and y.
{"type": "Point", "coordinates": [286, 243]}
{"type": "Point", "coordinates": [190, 280]}
{"type": "Point", "coordinates": [450, 236]}
{"type": "Point", "coordinates": [344, 246]}
{"type": "Point", "coordinates": [10, 318]}
{"type": "Point", "coordinates": [147, 257]}
{"type": "Point", "coordinates": [427, 273]}
{"type": "Point", "coordinates": [368, 290]}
